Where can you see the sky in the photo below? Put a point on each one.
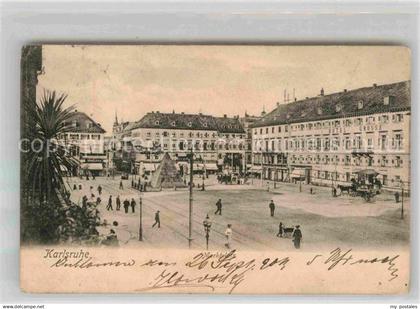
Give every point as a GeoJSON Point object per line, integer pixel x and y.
{"type": "Point", "coordinates": [133, 80]}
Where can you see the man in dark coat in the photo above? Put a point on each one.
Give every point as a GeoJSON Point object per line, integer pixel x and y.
{"type": "Point", "coordinates": [99, 189]}
{"type": "Point", "coordinates": [121, 185]}
{"type": "Point", "coordinates": [272, 207]}
{"type": "Point", "coordinates": [397, 197]}
{"type": "Point", "coordinates": [280, 233]}
{"type": "Point", "coordinates": [219, 207]}
{"type": "Point", "coordinates": [84, 201]}
{"type": "Point", "coordinates": [109, 206]}
{"type": "Point", "coordinates": [297, 237]}
{"type": "Point", "coordinates": [118, 202]}
{"type": "Point", "coordinates": [126, 205]}
{"type": "Point", "coordinates": [157, 219]}
{"type": "Point", "coordinates": [133, 205]}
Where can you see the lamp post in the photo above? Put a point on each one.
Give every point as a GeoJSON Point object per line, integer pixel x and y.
{"type": "Point", "coordinates": [402, 200]}
{"type": "Point", "coordinates": [207, 226]}
{"type": "Point", "coordinates": [262, 166]}
{"type": "Point", "coordinates": [141, 218]}
{"type": "Point", "coordinates": [191, 157]}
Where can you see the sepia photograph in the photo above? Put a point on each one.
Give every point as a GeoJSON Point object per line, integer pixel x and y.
{"type": "Point", "coordinates": [248, 169]}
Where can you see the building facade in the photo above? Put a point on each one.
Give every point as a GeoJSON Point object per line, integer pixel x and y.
{"type": "Point", "coordinates": [85, 139]}
{"type": "Point", "coordinates": [216, 141]}
{"type": "Point", "coordinates": [328, 139]}
{"type": "Point", "coordinates": [247, 122]}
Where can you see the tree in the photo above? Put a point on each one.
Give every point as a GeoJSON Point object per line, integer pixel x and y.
{"type": "Point", "coordinates": [44, 157]}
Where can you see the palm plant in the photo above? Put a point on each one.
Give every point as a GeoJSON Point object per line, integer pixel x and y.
{"type": "Point", "coordinates": [46, 121]}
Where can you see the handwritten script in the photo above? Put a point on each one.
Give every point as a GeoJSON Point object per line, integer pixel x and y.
{"type": "Point", "coordinates": [210, 271]}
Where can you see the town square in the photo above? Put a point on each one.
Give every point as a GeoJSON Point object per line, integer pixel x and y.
{"type": "Point", "coordinates": [282, 168]}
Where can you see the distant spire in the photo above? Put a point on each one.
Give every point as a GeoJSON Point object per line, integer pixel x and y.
{"type": "Point", "coordinates": [116, 118]}
{"type": "Point", "coordinates": [263, 111]}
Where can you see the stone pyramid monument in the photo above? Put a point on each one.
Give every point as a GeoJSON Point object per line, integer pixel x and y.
{"type": "Point", "coordinates": [167, 175]}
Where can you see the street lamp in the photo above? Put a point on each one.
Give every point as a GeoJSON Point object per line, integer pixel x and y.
{"type": "Point", "coordinates": [191, 157]}
{"type": "Point", "coordinates": [207, 226]}
{"type": "Point", "coordinates": [141, 218]}
{"type": "Point", "coordinates": [402, 200]}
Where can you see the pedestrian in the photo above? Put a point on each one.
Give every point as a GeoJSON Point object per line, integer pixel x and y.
{"type": "Point", "coordinates": [334, 192]}
{"type": "Point", "coordinates": [219, 207]}
{"type": "Point", "coordinates": [111, 239]}
{"type": "Point", "coordinates": [157, 219]}
{"type": "Point", "coordinates": [93, 176]}
{"type": "Point", "coordinates": [133, 205]}
{"type": "Point", "coordinates": [397, 197]}
{"type": "Point", "coordinates": [74, 187]}
{"type": "Point", "coordinates": [84, 201]}
{"type": "Point", "coordinates": [228, 234]}
{"type": "Point", "coordinates": [99, 190]}
{"type": "Point", "coordinates": [109, 206]}
{"type": "Point", "coordinates": [280, 233]}
{"type": "Point", "coordinates": [118, 202]}
{"type": "Point", "coordinates": [98, 200]}
{"type": "Point", "coordinates": [121, 185]}
{"type": "Point", "coordinates": [297, 237]}
{"type": "Point", "coordinates": [80, 187]}
{"type": "Point", "coordinates": [126, 204]}
{"type": "Point", "coordinates": [272, 207]}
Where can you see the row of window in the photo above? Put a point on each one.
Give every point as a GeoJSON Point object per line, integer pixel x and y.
{"type": "Point", "coordinates": [189, 134]}
{"type": "Point", "coordinates": [382, 161]}
{"type": "Point", "coordinates": [384, 142]}
{"type": "Point", "coordinates": [81, 136]}
{"type": "Point", "coordinates": [369, 120]}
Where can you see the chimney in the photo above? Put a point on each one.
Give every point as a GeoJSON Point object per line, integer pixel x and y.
{"type": "Point", "coordinates": [322, 92]}
{"type": "Point", "coordinates": [278, 104]}
{"type": "Point", "coordinates": [375, 85]}
{"type": "Point", "coordinates": [173, 111]}
{"type": "Point", "coordinates": [182, 113]}
{"type": "Point", "coordinates": [307, 98]}
{"type": "Point", "coordinates": [295, 99]}
{"type": "Point", "coordinates": [389, 100]}
{"type": "Point", "coordinates": [345, 90]}
{"type": "Point", "coordinates": [224, 116]}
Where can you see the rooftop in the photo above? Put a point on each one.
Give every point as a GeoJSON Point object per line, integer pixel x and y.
{"type": "Point", "coordinates": [362, 101]}
{"type": "Point", "coordinates": [188, 122]}
{"type": "Point", "coordinates": [81, 123]}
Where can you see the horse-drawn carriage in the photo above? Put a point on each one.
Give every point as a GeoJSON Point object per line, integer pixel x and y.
{"type": "Point", "coordinates": [366, 185]}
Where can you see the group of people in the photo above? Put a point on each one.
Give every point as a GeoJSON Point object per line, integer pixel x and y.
{"type": "Point", "coordinates": [296, 232]}
{"type": "Point", "coordinates": [126, 204]}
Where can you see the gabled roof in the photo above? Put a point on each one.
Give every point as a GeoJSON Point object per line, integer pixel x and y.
{"type": "Point", "coordinates": [82, 121]}
{"type": "Point", "coordinates": [229, 125]}
{"type": "Point", "coordinates": [362, 101]}
{"type": "Point", "coordinates": [176, 121]}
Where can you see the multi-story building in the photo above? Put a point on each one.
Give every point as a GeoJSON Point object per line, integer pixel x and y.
{"type": "Point", "coordinates": [87, 138]}
{"type": "Point", "coordinates": [330, 138]}
{"type": "Point", "coordinates": [246, 122]}
{"type": "Point", "coordinates": [216, 141]}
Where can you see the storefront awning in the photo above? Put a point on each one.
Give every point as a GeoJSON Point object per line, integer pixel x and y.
{"type": "Point", "coordinates": [298, 173]}
{"type": "Point", "coordinates": [92, 166]}
{"type": "Point", "coordinates": [367, 172]}
{"type": "Point", "coordinates": [198, 166]}
{"type": "Point", "coordinates": [256, 169]}
{"type": "Point", "coordinates": [149, 167]}
{"type": "Point", "coordinates": [211, 167]}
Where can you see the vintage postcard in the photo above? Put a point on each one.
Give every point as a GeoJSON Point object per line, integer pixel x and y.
{"type": "Point", "coordinates": [215, 169]}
